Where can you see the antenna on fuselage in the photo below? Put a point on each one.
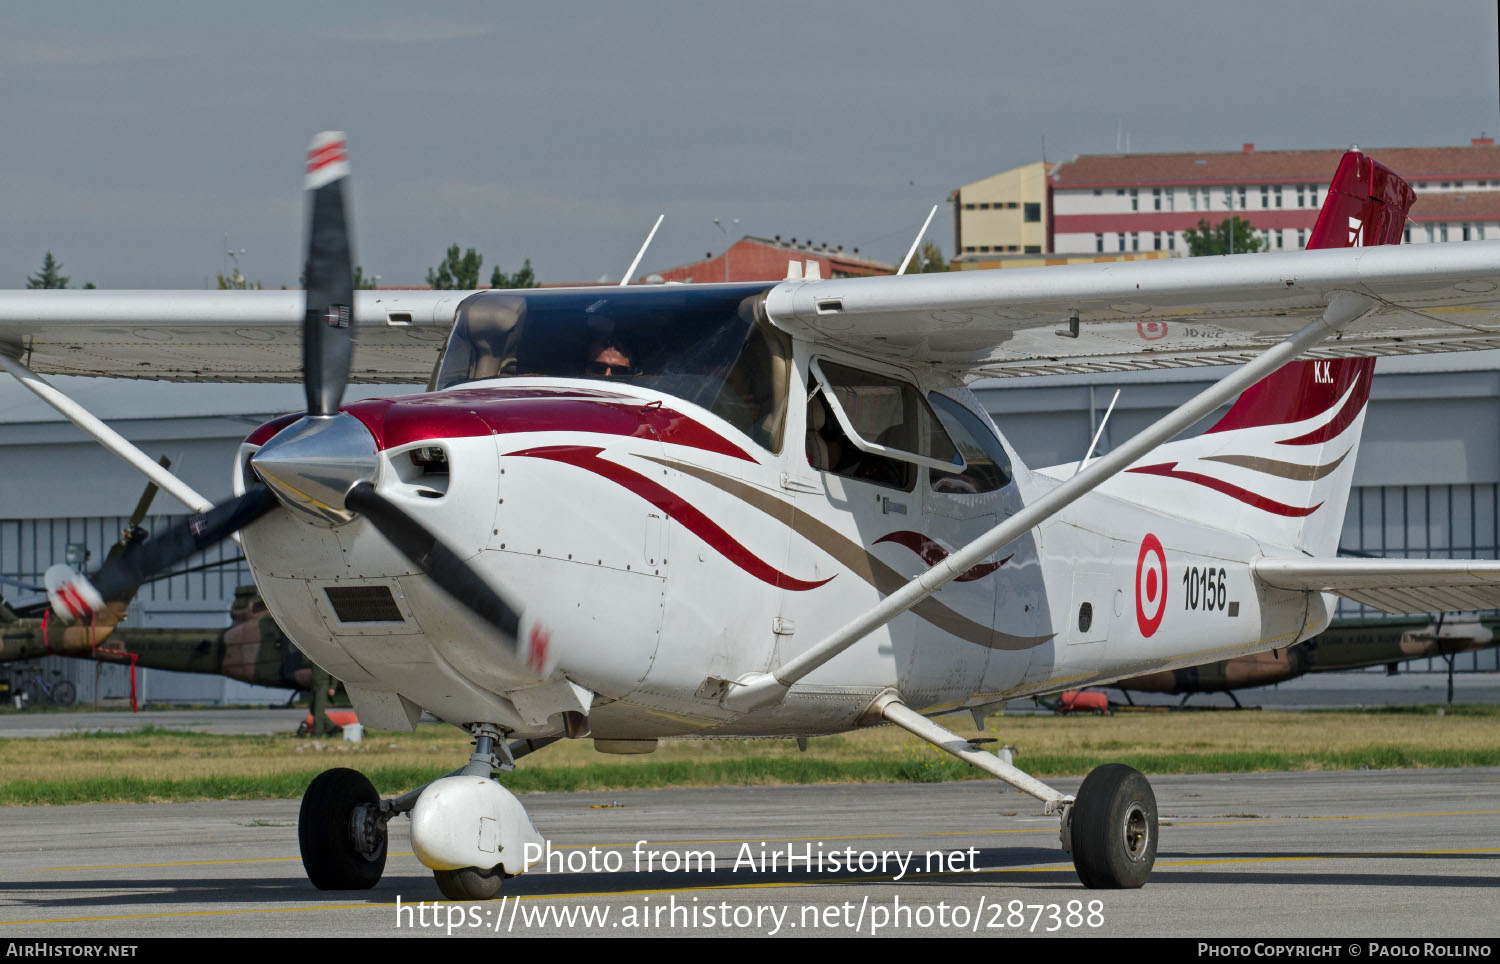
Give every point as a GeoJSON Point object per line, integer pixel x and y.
{"type": "Point", "coordinates": [641, 253]}
{"type": "Point", "coordinates": [916, 241]}
{"type": "Point", "coordinates": [1098, 432]}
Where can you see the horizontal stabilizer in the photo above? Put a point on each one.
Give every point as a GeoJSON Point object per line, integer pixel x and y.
{"type": "Point", "coordinates": [1393, 585]}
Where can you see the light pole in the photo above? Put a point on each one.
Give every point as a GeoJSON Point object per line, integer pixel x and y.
{"type": "Point", "coordinates": [718, 224]}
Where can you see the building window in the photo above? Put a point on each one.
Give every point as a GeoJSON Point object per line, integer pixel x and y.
{"type": "Point", "coordinates": [1442, 232]}
{"type": "Point", "coordinates": [1228, 198]}
{"type": "Point", "coordinates": [1243, 204]}
{"type": "Point", "coordinates": [1277, 190]}
{"type": "Point", "coordinates": [1301, 195]}
{"type": "Point", "coordinates": [1312, 195]}
{"type": "Point", "coordinates": [1033, 211]}
{"type": "Point", "coordinates": [1119, 192]}
{"type": "Point", "coordinates": [1265, 196]}
{"type": "Point", "coordinates": [1429, 234]}
{"type": "Point", "coordinates": [971, 248]}
{"type": "Point", "coordinates": [968, 207]}
{"type": "Point", "coordinates": [1033, 249]}
{"type": "Point", "coordinates": [1156, 240]}
{"type": "Point", "coordinates": [1011, 205]}
{"type": "Point", "coordinates": [1121, 239]}
{"type": "Point", "coordinates": [1171, 200]}
{"type": "Point", "coordinates": [1193, 197]}
{"type": "Point", "coordinates": [1135, 241]}
{"type": "Point", "coordinates": [1156, 199]}
{"type": "Point", "coordinates": [1135, 200]}
{"type": "Point", "coordinates": [1280, 240]}
{"type": "Point", "coordinates": [1466, 232]}
{"type": "Point", "coordinates": [1301, 238]}
{"type": "Point", "coordinates": [985, 206]}
{"type": "Point", "coordinates": [1172, 241]}
{"type": "Point", "coordinates": [1407, 234]}
{"type": "Point", "coordinates": [1098, 242]}
{"type": "Point", "coordinates": [1097, 192]}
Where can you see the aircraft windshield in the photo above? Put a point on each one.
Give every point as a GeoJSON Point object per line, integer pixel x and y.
{"type": "Point", "coordinates": [711, 347]}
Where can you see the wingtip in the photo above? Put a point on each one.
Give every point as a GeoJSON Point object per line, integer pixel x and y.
{"type": "Point", "coordinates": [327, 159]}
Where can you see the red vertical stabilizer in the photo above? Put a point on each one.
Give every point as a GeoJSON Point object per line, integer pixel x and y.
{"type": "Point", "coordinates": [1366, 205]}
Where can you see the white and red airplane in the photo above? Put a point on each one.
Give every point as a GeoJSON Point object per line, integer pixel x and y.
{"type": "Point", "coordinates": [773, 509]}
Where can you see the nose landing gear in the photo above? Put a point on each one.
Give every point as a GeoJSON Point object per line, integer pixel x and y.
{"type": "Point", "coordinates": [469, 829]}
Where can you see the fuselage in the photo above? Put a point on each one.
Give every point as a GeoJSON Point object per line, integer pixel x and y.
{"type": "Point", "coordinates": [667, 538]}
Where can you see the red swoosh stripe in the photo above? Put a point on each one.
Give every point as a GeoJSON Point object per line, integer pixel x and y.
{"type": "Point", "coordinates": [1169, 469]}
{"type": "Point", "coordinates": [1346, 416]}
{"type": "Point", "coordinates": [932, 553]}
{"type": "Point", "coordinates": [587, 458]}
{"type": "Point", "coordinates": [486, 411]}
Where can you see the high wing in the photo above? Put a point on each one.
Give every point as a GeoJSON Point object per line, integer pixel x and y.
{"type": "Point", "coordinates": [216, 336]}
{"type": "Point", "coordinates": [1133, 315]}
{"type": "Point", "coordinates": [1392, 585]}
{"type": "Point", "coordinates": [1155, 314]}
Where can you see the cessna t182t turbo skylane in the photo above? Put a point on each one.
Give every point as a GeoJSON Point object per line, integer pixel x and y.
{"type": "Point", "coordinates": [773, 509]}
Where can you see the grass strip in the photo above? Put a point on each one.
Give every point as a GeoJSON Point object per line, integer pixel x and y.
{"type": "Point", "coordinates": [744, 771]}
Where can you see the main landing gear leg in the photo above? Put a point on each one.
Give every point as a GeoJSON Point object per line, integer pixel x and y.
{"type": "Point", "coordinates": [1109, 828]}
{"type": "Point", "coordinates": [342, 826]}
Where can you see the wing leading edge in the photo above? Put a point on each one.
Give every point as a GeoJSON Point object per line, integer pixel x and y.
{"type": "Point", "coordinates": [216, 336]}
{"type": "Point", "coordinates": [1154, 314]}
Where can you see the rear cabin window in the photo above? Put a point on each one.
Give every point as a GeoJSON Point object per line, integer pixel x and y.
{"type": "Point", "coordinates": [987, 467]}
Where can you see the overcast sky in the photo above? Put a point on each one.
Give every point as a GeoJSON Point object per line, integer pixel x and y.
{"type": "Point", "coordinates": [135, 136]}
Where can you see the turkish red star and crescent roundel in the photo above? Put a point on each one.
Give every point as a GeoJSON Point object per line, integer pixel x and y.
{"type": "Point", "coordinates": [1150, 585]}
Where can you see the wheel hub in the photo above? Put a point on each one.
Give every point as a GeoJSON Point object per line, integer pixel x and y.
{"type": "Point", "coordinates": [1137, 832]}
{"type": "Point", "coordinates": [367, 831]}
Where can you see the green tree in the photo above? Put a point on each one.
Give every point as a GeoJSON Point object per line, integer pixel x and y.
{"type": "Point", "coordinates": [525, 278]}
{"type": "Point", "coordinates": [1233, 235]}
{"type": "Point", "coordinates": [455, 272]}
{"type": "Point", "coordinates": [362, 280]}
{"type": "Point", "coordinates": [50, 276]}
{"type": "Point", "coordinates": [237, 282]}
{"type": "Point", "coordinates": [927, 259]}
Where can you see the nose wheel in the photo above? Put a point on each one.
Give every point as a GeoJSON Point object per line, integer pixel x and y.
{"type": "Point", "coordinates": [470, 883]}
{"type": "Point", "coordinates": [1112, 825]}
{"type": "Point", "coordinates": [342, 832]}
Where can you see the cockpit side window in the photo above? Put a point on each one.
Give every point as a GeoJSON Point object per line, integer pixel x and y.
{"type": "Point", "coordinates": [830, 450]}
{"type": "Point", "coordinates": [754, 396]}
{"type": "Point", "coordinates": [988, 465]}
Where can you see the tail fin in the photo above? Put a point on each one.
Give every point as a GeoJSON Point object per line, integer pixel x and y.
{"type": "Point", "coordinates": [1284, 452]}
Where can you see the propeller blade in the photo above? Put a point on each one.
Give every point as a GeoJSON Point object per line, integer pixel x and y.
{"type": "Point", "coordinates": [76, 597]}
{"type": "Point", "coordinates": [328, 325]}
{"type": "Point", "coordinates": [440, 563]}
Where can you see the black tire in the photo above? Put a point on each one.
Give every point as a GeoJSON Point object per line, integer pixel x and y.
{"type": "Point", "coordinates": [469, 883]}
{"type": "Point", "coordinates": [64, 693]}
{"type": "Point", "coordinates": [1114, 828]}
{"type": "Point", "coordinates": [330, 855]}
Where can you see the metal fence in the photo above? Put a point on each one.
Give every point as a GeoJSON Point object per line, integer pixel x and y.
{"type": "Point", "coordinates": [1424, 522]}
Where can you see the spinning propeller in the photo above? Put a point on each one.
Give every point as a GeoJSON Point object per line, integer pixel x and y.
{"type": "Point", "coordinates": [324, 465]}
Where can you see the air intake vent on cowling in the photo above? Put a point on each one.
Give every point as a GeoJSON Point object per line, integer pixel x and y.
{"type": "Point", "coordinates": [363, 604]}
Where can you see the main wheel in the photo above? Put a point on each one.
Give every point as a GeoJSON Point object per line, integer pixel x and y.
{"type": "Point", "coordinates": [1114, 828]}
{"type": "Point", "coordinates": [469, 883]}
{"type": "Point", "coordinates": [64, 693]}
{"type": "Point", "coordinates": [343, 841]}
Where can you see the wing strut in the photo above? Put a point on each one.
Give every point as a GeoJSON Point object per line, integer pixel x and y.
{"type": "Point", "coordinates": [106, 436]}
{"type": "Point", "coordinates": [756, 690]}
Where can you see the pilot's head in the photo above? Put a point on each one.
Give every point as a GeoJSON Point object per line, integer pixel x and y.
{"type": "Point", "coordinates": [609, 358]}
